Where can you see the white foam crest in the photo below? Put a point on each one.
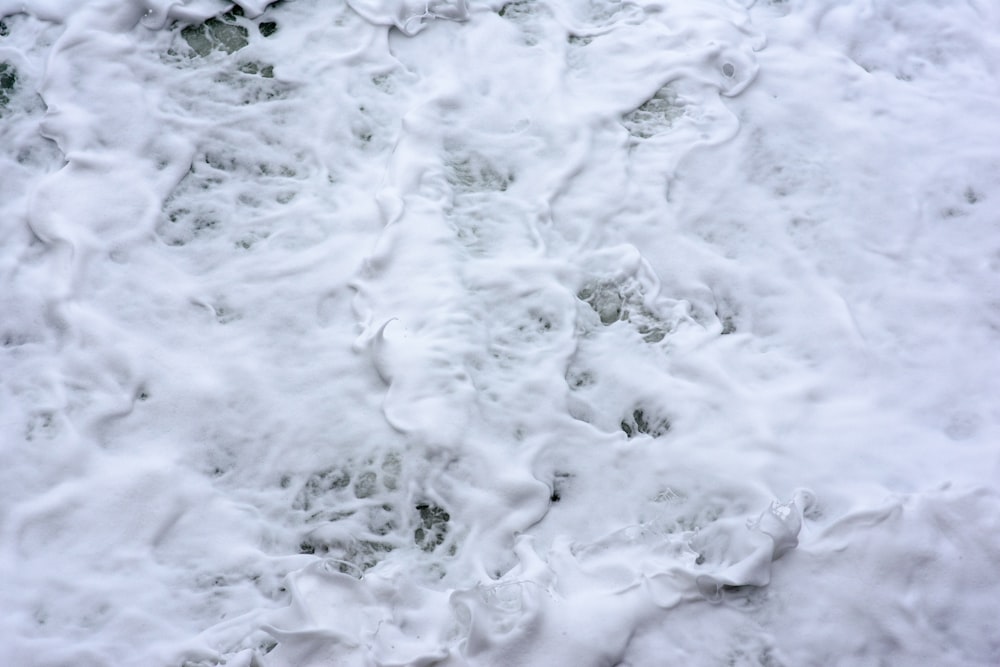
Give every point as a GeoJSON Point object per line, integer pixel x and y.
{"type": "Point", "coordinates": [504, 333]}
{"type": "Point", "coordinates": [409, 16]}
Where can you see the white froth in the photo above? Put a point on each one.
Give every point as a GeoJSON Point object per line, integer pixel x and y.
{"type": "Point", "coordinates": [579, 332]}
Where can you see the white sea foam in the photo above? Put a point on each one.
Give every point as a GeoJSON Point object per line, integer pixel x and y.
{"type": "Point", "coordinates": [477, 333]}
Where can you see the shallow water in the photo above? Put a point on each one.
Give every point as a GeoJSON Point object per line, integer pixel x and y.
{"type": "Point", "coordinates": [470, 333]}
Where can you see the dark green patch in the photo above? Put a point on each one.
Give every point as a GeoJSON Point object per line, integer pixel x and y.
{"type": "Point", "coordinates": [364, 486]}
{"type": "Point", "coordinates": [319, 484]}
{"type": "Point", "coordinates": [355, 556]}
{"type": "Point", "coordinates": [433, 528]}
{"type": "Point", "coordinates": [8, 81]}
{"type": "Point", "coordinates": [640, 422]}
{"type": "Point", "coordinates": [266, 71]}
{"type": "Point", "coordinates": [655, 114]}
{"type": "Point", "coordinates": [606, 299]}
{"type": "Point", "coordinates": [475, 174]}
{"type": "Point", "coordinates": [201, 223]}
{"type": "Point", "coordinates": [727, 316]}
{"type": "Point", "coordinates": [392, 467]}
{"type": "Point", "coordinates": [623, 301]}
{"type": "Point", "coordinates": [559, 483]}
{"type": "Point", "coordinates": [651, 334]}
{"type": "Point", "coordinates": [216, 34]}
{"type": "Point", "coordinates": [517, 9]}
{"type": "Point", "coordinates": [381, 519]}
{"type": "Point", "coordinates": [267, 28]}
